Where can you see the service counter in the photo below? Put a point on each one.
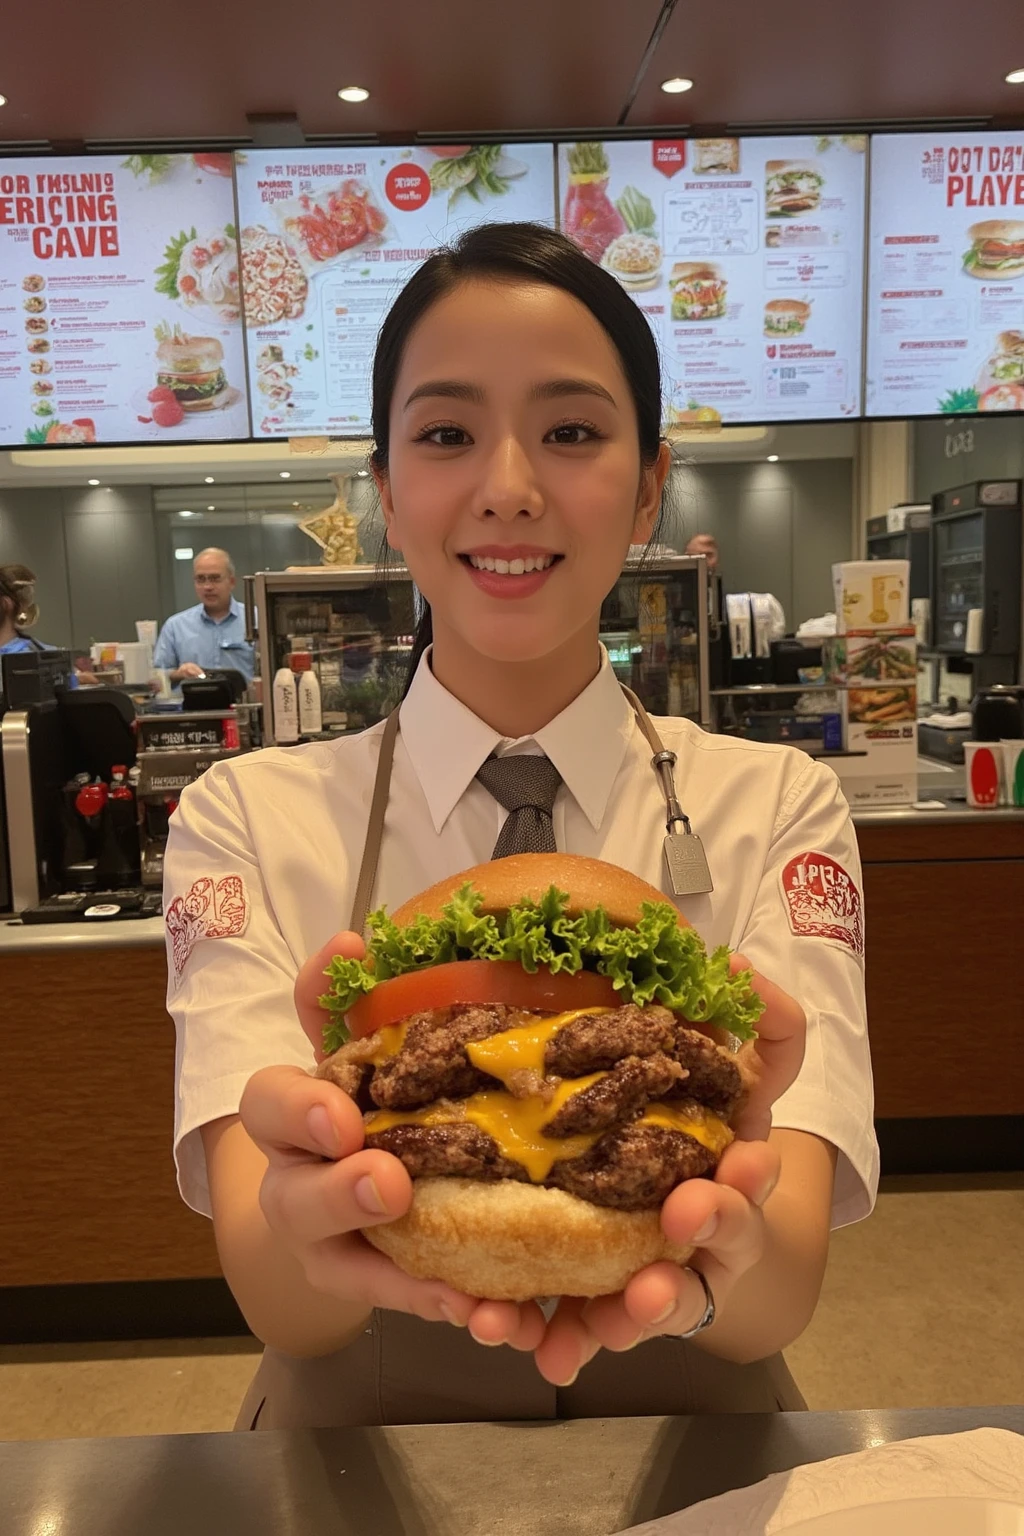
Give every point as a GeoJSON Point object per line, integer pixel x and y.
{"type": "Point", "coordinates": [88, 1051]}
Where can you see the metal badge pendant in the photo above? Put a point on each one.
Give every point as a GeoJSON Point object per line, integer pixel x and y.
{"type": "Point", "coordinates": [687, 865]}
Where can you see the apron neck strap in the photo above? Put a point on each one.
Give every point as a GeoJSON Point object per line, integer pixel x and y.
{"type": "Point", "coordinates": [375, 826]}
{"type": "Point", "coordinates": [379, 804]}
{"type": "Point", "coordinates": [643, 720]}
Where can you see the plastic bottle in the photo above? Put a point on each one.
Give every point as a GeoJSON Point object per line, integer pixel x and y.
{"type": "Point", "coordinates": [311, 721]}
{"type": "Point", "coordinates": [286, 706]}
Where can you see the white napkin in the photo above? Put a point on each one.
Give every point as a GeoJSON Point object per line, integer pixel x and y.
{"type": "Point", "coordinates": [980, 1463]}
{"type": "Point", "coordinates": [957, 722]}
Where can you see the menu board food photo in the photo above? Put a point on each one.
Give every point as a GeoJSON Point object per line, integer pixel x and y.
{"type": "Point", "coordinates": [120, 315]}
{"type": "Point", "coordinates": [329, 237]}
{"type": "Point", "coordinates": [946, 274]}
{"type": "Point", "coordinates": [746, 256]}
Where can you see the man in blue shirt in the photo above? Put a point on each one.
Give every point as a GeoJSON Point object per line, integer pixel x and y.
{"type": "Point", "coordinates": [212, 634]}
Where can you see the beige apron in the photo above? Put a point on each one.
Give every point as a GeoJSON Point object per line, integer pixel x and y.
{"type": "Point", "coordinates": [402, 1370]}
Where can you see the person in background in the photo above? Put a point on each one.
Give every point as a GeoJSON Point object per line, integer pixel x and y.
{"type": "Point", "coordinates": [707, 545]}
{"type": "Point", "coordinates": [19, 611]}
{"type": "Point", "coordinates": [211, 635]}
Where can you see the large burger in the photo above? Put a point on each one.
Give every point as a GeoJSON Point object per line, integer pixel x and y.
{"type": "Point", "coordinates": [531, 1039]}
{"type": "Point", "coordinates": [997, 248]}
{"type": "Point", "coordinates": [191, 367]}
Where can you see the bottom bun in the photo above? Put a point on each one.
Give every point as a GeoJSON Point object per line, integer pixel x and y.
{"type": "Point", "coordinates": [513, 1242]}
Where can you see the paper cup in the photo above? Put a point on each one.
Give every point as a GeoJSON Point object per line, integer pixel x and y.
{"type": "Point", "coordinates": [983, 766]}
{"type": "Point", "coordinates": [1013, 771]}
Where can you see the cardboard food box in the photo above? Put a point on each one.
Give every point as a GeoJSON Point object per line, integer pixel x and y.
{"type": "Point", "coordinates": [880, 727]}
{"type": "Point", "coordinates": [871, 594]}
{"type": "Point", "coordinates": [871, 656]}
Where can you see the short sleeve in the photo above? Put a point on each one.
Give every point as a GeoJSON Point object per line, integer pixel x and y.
{"type": "Point", "coordinates": [165, 652]}
{"type": "Point", "coordinates": [806, 932]}
{"type": "Point", "coordinates": [230, 972]}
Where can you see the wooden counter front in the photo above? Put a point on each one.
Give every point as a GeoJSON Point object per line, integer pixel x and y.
{"type": "Point", "coordinates": [945, 987]}
{"type": "Point", "coordinates": [86, 1109]}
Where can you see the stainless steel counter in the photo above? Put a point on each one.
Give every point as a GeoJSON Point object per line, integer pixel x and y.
{"type": "Point", "coordinates": [583, 1477]}
{"type": "Point", "coordinates": [141, 933]}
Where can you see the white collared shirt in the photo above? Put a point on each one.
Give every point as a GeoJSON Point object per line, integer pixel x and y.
{"type": "Point", "coordinates": [264, 853]}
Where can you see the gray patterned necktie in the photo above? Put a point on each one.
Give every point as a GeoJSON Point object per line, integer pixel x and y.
{"type": "Point", "coordinates": [526, 786]}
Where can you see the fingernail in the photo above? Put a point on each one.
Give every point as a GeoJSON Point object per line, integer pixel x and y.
{"type": "Point", "coordinates": [564, 1384]}
{"type": "Point", "coordinates": [487, 1343]}
{"type": "Point", "coordinates": [663, 1317]}
{"type": "Point", "coordinates": [767, 1190]}
{"type": "Point", "coordinates": [450, 1316]}
{"type": "Point", "coordinates": [708, 1229]}
{"type": "Point", "coordinates": [321, 1129]}
{"type": "Point", "coordinates": [368, 1197]}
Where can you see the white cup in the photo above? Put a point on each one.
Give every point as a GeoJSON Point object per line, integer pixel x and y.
{"type": "Point", "coordinates": [983, 770]}
{"type": "Point", "coordinates": [1013, 771]}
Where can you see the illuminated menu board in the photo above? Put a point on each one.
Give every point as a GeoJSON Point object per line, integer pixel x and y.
{"type": "Point", "coordinates": [328, 238]}
{"type": "Point", "coordinates": [746, 256]}
{"type": "Point", "coordinates": [120, 319]}
{"type": "Point", "coordinates": [946, 274]}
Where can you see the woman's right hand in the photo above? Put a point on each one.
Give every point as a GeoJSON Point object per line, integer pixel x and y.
{"type": "Point", "coordinates": [322, 1186]}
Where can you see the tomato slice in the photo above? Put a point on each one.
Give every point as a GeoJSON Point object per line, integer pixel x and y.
{"type": "Point", "coordinates": [478, 981]}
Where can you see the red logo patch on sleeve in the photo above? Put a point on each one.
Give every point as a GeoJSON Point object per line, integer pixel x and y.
{"type": "Point", "coordinates": [209, 910]}
{"type": "Point", "coordinates": [823, 901]}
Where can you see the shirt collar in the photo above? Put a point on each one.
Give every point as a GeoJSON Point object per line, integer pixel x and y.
{"type": "Point", "coordinates": [447, 743]}
{"type": "Point", "coordinates": [232, 613]}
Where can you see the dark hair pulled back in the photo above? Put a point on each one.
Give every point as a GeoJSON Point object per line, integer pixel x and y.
{"type": "Point", "coordinates": [525, 253]}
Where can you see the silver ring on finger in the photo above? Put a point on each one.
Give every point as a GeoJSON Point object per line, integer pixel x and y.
{"type": "Point", "coordinates": [707, 1317]}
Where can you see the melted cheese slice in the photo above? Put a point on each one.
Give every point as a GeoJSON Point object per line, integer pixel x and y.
{"type": "Point", "coordinates": [522, 1049]}
{"type": "Point", "coordinates": [517, 1125]}
{"type": "Point", "coordinates": [693, 1120]}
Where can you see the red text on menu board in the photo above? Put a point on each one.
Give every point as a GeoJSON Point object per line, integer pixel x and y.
{"type": "Point", "coordinates": [69, 215]}
{"type": "Point", "coordinates": [978, 175]}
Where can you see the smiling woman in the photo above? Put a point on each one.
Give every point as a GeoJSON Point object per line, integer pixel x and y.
{"type": "Point", "coordinates": [516, 412]}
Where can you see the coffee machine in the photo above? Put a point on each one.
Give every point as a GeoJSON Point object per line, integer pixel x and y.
{"type": "Point", "coordinates": [976, 580]}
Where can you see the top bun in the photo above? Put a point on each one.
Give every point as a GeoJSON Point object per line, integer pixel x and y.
{"type": "Point", "coordinates": [685, 269]}
{"type": "Point", "coordinates": [193, 348]}
{"type": "Point", "coordinates": [997, 229]}
{"type": "Point", "coordinates": [787, 307]}
{"type": "Point", "coordinates": [503, 882]}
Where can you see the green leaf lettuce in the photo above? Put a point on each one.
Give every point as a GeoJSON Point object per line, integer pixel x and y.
{"type": "Point", "coordinates": [657, 961]}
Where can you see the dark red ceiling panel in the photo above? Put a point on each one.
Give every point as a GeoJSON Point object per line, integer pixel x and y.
{"type": "Point", "coordinates": [792, 61]}
{"type": "Point", "coordinates": [118, 69]}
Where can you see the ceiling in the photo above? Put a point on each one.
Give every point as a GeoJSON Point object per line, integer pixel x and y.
{"type": "Point", "coordinates": [117, 71]}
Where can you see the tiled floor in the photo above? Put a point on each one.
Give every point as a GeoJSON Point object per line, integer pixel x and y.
{"type": "Point", "coordinates": [922, 1306]}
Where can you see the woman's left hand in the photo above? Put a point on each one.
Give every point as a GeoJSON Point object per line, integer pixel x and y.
{"type": "Point", "coordinates": [723, 1219]}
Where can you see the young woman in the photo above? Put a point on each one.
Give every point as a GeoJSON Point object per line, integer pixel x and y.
{"type": "Point", "coordinates": [516, 411]}
{"type": "Point", "coordinates": [19, 611]}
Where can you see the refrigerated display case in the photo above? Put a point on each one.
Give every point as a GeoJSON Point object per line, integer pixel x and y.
{"type": "Point", "coordinates": [358, 626]}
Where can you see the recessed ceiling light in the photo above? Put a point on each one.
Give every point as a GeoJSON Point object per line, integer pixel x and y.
{"type": "Point", "coordinates": [353, 93]}
{"type": "Point", "coordinates": [773, 458]}
{"type": "Point", "coordinates": [677, 85]}
{"type": "Point", "coordinates": [94, 482]}
{"type": "Point", "coordinates": [286, 474]}
{"type": "Point", "coordinates": [186, 513]}
{"type": "Point", "coordinates": [211, 509]}
{"type": "Point", "coordinates": [1015, 77]}
{"type": "Point", "coordinates": [3, 101]}
{"type": "Point", "coordinates": [362, 473]}
{"type": "Point", "coordinates": [209, 479]}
